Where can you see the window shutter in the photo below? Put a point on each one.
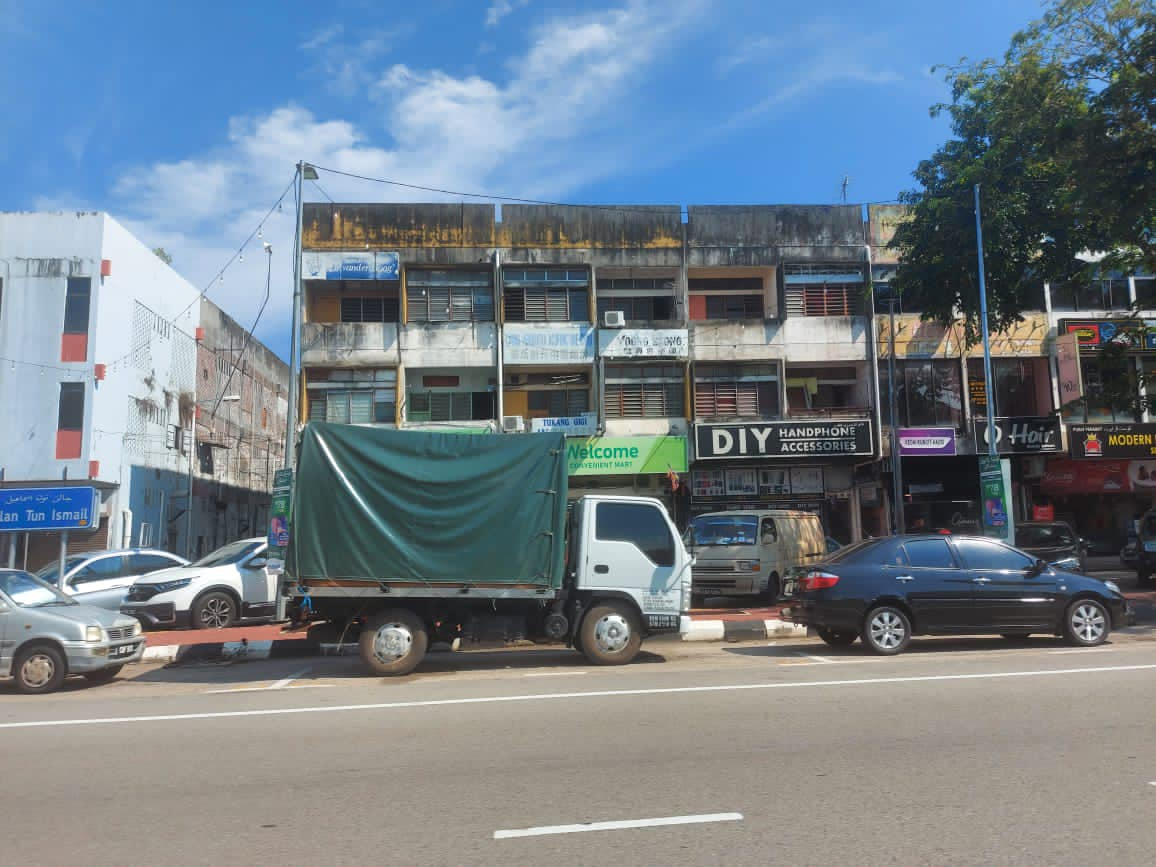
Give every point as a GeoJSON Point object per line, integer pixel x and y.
{"type": "Point", "coordinates": [361, 407]}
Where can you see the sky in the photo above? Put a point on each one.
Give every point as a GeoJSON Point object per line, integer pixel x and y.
{"type": "Point", "coordinates": [185, 120]}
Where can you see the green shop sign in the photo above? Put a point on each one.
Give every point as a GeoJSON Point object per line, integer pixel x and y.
{"type": "Point", "coordinates": [597, 456]}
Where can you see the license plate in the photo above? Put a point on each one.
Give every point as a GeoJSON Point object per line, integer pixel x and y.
{"type": "Point", "coordinates": [122, 651]}
{"type": "Point", "coordinates": [662, 621]}
{"type": "Point", "coordinates": [789, 588]}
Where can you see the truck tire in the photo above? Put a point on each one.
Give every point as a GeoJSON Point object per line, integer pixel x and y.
{"type": "Point", "coordinates": [610, 634]}
{"type": "Point", "coordinates": [393, 642]}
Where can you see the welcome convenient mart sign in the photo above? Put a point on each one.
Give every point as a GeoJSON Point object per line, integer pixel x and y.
{"type": "Point", "coordinates": [787, 439]}
{"type": "Point", "coordinates": [601, 456]}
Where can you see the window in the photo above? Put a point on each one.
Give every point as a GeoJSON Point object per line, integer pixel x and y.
{"type": "Point", "coordinates": [649, 299]}
{"type": "Point", "coordinates": [736, 391]}
{"type": "Point", "coordinates": [824, 290]}
{"type": "Point", "coordinates": [546, 295]}
{"type": "Point", "coordinates": [450, 406]}
{"type": "Point", "coordinates": [929, 554]}
{"type": "Point", "coordinates": [928, 393]}
{"type": "Point", "coordinates": [362, 396]}
{"type": "Point", "coordinates": [1098, 397]}
{"type": "Point", "coordinates": [980, 554]}
{"type": "Point", "coordinates": [449, 296]}
{"type": "Point", "coordinates": [770, 533]}
{"type": "Point", "coordinates": [811, 388]}
{"type": "Point", "coordinates": [369, 309]}
{"type": "Point", "coordinates": [557, 403]}
{"type": "Point", "coordinates": [640, 525]}
{"type": "Point", "coordinates": [1145, 292]}
{"type": "Point", "coordinates": [726, 298]}
{"type": "Point", "coordinates": [71, 409]}
{"type": "Point", "coordinates": [1017, 382]}
{"type": "Point", "coordinates": [143, 564]}
{"type": "Point", "coordinates": [76, 305]}
{"type": "Point", "coordinates": [97, 570]}
{"type": "Point", "coordinates": [643, 391]}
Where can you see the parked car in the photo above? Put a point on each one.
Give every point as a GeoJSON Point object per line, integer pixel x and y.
{"type": "Point", "coordinates": [1054, 542]}
{"type": "Point", "coordinates": [102, 578]}
{"type": "Point", "coordinates": [886, 590]}
{"type": "Point", "coordinates": [1130, 553]}
{"type": "Point", "coordinates": [231, 584]}
{"type": "Point", "coordinates": [46, 635]}
{"type": "Point", "coordinates": [1146, 549]}
{"type": "Point", "coordinates": [746, 553]}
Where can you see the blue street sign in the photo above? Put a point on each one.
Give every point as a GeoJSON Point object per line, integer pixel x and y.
{"type": "Point", "coordinates": [49, 509]}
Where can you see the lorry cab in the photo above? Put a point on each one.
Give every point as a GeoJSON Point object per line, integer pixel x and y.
{"type": "Point", "coordinates": [746, 553]}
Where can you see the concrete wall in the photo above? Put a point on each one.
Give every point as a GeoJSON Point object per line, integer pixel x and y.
{"type": "Point", "coordinates": [449, 344]}
{"type": "Point", "coordinates": [350, 344]}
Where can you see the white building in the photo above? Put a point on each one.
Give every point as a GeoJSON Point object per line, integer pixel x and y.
{"type": "Point", "coordinates": [97, 374]}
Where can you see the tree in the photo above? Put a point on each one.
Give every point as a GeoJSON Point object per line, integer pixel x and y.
{"type": "Point", "coordinates": [163, 254]}
{"type": "Point", "coordinates": [1061, 137]}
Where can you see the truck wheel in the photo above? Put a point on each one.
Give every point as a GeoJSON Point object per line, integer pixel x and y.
{"type": "Point", "coordinates": [774, 589]}
{"type": "Point", "coordinates": [394, 642]}
{"type": "Point", "coordinates": [610, 634]}
{"type": "Point", "coordinates": [39, 669]}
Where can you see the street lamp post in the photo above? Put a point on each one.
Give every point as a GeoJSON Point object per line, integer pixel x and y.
{"type": "Point", "coordinates": [899, 519]}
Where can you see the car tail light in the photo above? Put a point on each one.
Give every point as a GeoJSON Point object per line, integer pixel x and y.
{"type": "Point", "coordinates": [819, 580]}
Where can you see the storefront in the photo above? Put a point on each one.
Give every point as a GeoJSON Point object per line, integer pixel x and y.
{"type": "Point", "coordinates": [649, 466]}
{"type": "Point", "coordinates": [808, 465]}
{"type": "Point", "coordinates": [1107, 480]}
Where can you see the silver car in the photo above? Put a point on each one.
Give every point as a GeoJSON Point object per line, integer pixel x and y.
{"type": "Point", "coordinates": [102, 578]}
{"type": "Point", "coordinates": [46, 636]}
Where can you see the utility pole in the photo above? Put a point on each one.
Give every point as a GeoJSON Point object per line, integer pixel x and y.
{"type": "Point", "coordinates": [899, 519]}
{"type": "Point", "coordinates": [295, 334]}
{"type": "Point", "coordinates": [991, 435]}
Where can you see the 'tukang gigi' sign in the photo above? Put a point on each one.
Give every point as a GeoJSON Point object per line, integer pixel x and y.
{"type": "Point", "coordinates": [783, 439]}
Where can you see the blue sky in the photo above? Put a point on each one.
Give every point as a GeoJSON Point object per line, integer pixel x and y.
{"type": "Point", "coordinates": [185, 120]}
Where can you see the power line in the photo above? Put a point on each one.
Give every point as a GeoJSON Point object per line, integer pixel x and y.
{"type": "Point", "coordinates": [238, 253]}
{"type": "Point", "coordinates": [84, 374]}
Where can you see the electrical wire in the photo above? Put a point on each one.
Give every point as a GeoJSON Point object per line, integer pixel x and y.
{"type": "Point", "coordinates": [12, 362]}
{"type": "Point", "coordinates": [249, 333]}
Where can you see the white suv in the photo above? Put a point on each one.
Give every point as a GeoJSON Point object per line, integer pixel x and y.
{"type": "Point", "coordinates": [231, 584]}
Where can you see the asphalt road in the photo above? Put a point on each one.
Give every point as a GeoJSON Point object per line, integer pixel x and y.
{"type": "Point", "coordinates": [961, 752]}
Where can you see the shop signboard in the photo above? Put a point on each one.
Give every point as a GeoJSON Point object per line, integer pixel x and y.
{"type": "Point", "coordinates": [279, 509]}
{"type": "Point", "coordinates": [571, 343]}
{"type": "Point", "coordinates": [643, 343]}
{"type": "Point", "coordinates": [994, 484]}
{"type": "Point", "coordinates": [1111, 441]}
{"type": "Point", "coordinates": [350, 265]}
{"type": "Point", "coordinates": [608, 456]}
{"type": "Point", "coordinates": [1071, 378]}
{"type": "Point", "coordinates": [584, 425]}
{"type": "Point", "coordinates": [926, 441]}
{"type": "Point", "coordinates": [1021, 435]}
{"type": "Point", "coordinates": [30, 509]}
{"type": "Point", "coordinates": [783, 439]}
{"type": "Point", "coordinates": [1093, 334]}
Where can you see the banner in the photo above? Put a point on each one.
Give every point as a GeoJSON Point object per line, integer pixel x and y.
{"type": "Point", "coordinates": [994, 483]}
{"type": "Point", "coordinates": [602, 456]}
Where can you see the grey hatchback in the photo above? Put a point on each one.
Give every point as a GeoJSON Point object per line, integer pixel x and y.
{"type": "Point", "coordinates": [46, 636]}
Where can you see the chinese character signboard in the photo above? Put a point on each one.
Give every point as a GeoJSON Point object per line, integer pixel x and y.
{"type": "Point", "coordinates": [643, 343]}
{"type": "Point", "coordinates": [552, 344]}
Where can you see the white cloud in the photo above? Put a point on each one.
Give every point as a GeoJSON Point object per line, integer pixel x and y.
{"type": "Point", "coordinates": [499, 9]}
{"type": "Point", "coordinates": [525, 133]}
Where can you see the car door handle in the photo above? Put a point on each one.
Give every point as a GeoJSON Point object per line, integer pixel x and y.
{"type": "Point", "coordinates": [601, 570]}
{"type": "Point", "coordinates": [904, 578]}
{"type": "Point", "coordinates": [980, 580]}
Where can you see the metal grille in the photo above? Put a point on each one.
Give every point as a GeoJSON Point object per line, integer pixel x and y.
{"type": "Point", "coordinates": [119, 633]}
{"type": "Point", "coordinates": [141, 348]}
{"type": "Point", "coordinates": [643, 400]}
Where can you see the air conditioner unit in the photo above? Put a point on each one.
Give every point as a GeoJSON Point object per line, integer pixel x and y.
{"type": "Point", "coordinates": [614, 319]}
{"type": "Point", "coordinates": [513, 424]}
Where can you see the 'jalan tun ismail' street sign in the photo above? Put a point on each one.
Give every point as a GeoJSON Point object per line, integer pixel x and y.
{"type": "Point", "coordinates": [49, 509]}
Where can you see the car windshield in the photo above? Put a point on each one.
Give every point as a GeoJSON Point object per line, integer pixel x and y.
{"type": "Point", "coordinates": [28, 591]}
{"type": "Point", "coordinates": [1043, 535]}
{"type": "Point", "coordinates": [51, 572]}
{"type": "Point", "coordinates": [710, 530]}
{"type": "Point", "coordinates": [231, 553]}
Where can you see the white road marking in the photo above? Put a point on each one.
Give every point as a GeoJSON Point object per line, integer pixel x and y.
{"type": "Point", "coordinates": [1153, 783]}
{"type": "Point", "coordinates": [554, 674]}
{"type": "Point", "coordinates": [1083, 650]}
{"type": "Point", "coordinates": [267, 688]}
{"type": "Point", "coordinates": [546, 830]}
{"type": "Point", "coordinates": [555, 696]}
{"type": "Point", "coordinates": [813, 657]}
{"type": "Point", "coordinates": [285, 681]}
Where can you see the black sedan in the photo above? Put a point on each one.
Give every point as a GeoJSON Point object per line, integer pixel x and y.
{"type": "Point", "coordinates": [886, 590]}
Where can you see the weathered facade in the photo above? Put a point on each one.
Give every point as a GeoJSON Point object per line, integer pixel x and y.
{"type": "Point", "coordinates": [638, 330]}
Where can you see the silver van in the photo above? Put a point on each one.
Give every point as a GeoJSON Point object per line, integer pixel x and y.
{"type": "Point", "coordinates": [46, 636]}
{"type": "Point", "coordinates": [746, 553]}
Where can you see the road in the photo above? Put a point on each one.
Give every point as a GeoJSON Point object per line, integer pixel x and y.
{"type": "Point", "coordinates": [961, 752]}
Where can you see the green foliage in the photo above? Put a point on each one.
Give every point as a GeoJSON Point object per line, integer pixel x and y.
{"type": "Point", "coordinates": [1061, 137]}
{"type": "Point", "coordinates": [163, 254]}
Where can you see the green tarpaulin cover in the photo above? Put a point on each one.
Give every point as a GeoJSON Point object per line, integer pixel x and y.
{"type": "Point", "coordinates": [428, 507]}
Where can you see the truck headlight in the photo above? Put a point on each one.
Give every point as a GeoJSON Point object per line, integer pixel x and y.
{"type": "Point", "coordinates": [93, 634]}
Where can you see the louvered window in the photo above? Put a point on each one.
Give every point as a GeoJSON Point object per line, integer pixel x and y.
{"type": "Point", "coordinates": [364, 396]}
{"type": "Point", "coordinates": [736, 391]}
{"type": "Point", "coordinates": [824, 290]}
{"type": "Point", "coordinates": [369, 309]}
{"type": "Point", "coordinates": [559, 402]}
{"type": "Point", "coordinates": [430, 406]}
{"type": "Point", "coordinates": [449, 296]}
{"type": "Point", "coordinates": [643, 391]}
{"type": "Point", "coordinates": [545, 295]}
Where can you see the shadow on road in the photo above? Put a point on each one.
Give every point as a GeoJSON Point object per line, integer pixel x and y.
{"type": "Point", "coordinates": [919, 646]}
